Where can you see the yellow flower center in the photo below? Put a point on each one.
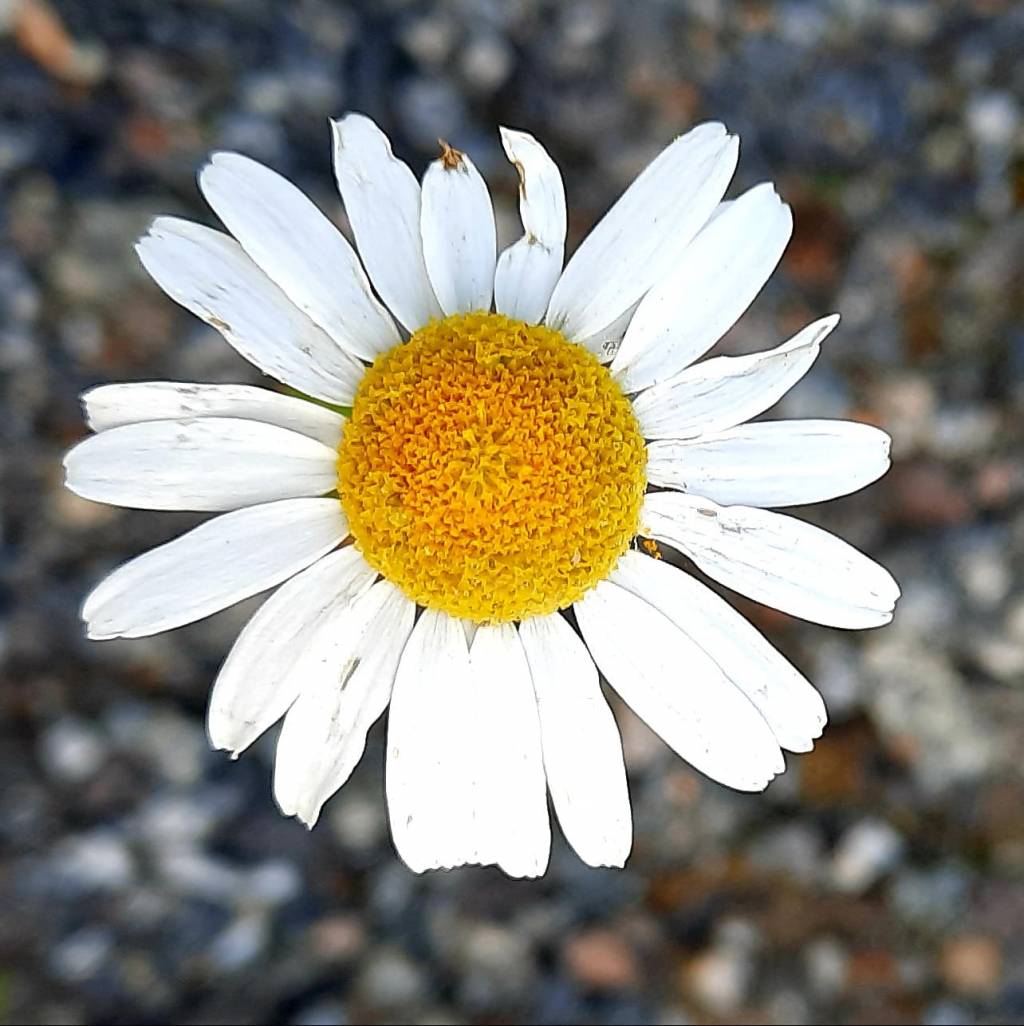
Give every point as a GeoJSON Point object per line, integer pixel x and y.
{"type": "Point", "coordinates": [491, 469]}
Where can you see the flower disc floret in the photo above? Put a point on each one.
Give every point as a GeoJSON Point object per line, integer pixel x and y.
{"type": "Point", "coordinates": [491, 469]}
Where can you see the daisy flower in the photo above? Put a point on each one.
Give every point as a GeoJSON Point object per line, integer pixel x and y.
{"type": "Point", "coordinates": [462, 525]}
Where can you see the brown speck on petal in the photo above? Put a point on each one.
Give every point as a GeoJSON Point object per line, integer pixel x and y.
{"type": "Point", "coordinates": [451, 158]}
{"type": "Point", "coordinates": [521, 171]}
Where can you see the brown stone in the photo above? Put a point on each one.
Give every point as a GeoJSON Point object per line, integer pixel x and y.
{"type": "Point", "coordinates": [972, 965]}
{"type": "Point", "coordinates": [602, 960]}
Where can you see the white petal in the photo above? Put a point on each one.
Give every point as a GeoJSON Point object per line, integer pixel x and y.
{"type": "Point", "coordinates": [511, 789]}
{"type": "Point", "coordinates": [302, 252]}
{"type": "Point", "coordinates": [268, 665]}
{"type": "Point", "coordinates": [643, 236]}
{"type": "Point", "coordinates": [209, 274]}
{"type": "Point", "coordinates": [719, 211]}
{"type": "Point", "coordinates": [382, 200]}
{"type": "Point", "coordinates": [459, 235]}
{"type": "Point", "coordinates": [213, 566]}
{"type": "Point", "coordinates": [465, 776]}
{"type": "Point", "coordinates": [677, 689]}
{"type": "Point", "coordinates": [347, 685]}
{"type": "Point", "coordinates": [772, 463]}
{"type": "Point", "coordinates": [110, 406]}
{"type": "Point", "coordinates": [582, 748]}
{"type": "Point", "coordinates": [210, 464]}
{"type": "Point", "coordinates": [783, 696]}
{"type": "Point", "coordinates": [775, 559]}
{"type": "Point", "coordinates": [605, 343]}
{"type": "Point", "coordinates": [528, 269]}
{"type": "Point", "coordinates": [428, 791]}
{"type": "Point", "coordinates": [703, 296]}
{"type": "Point", "coordinates": [727, 390]}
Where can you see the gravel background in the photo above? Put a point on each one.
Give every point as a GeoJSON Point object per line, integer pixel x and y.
{"type": "Point", "coordinates": [144, 879]}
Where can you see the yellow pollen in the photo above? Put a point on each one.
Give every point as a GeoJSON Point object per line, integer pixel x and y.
{"type": "Point", "coordinates": [491, 469]}
{"type": "Point", "coordinates": [651, 547]}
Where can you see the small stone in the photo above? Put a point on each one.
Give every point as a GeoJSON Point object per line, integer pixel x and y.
{"type": "Point", "coordinates": [430, 110]}
{"type": "Point", "coordinates": [972, 965]}
{"type": "Point", "coordinates": [948, 1013]}
{"type": "Point", "coordinates": [827, 966]}
{"type": "Point", "coordinates": [392, 889]}
{"type": "Point", "coordinates": [836, 675]}
{"type": "Point", "coordinates": [240, 944]}
{"type": "Point", "coordinates": [583, 25]}
{"type": "Point", "coordinates": [935, 898]}
{"type": "Point", "coordinates": [337, 939]}
{"type": "Point", "coordinates": [719, 979]}
{"type": "Point", "coordinates": [82, 954]}
{"type": "Point", "coordinates": [920, 703]}
{"type": "Point", "coordinates": [836, 771]}
{"type": "Point", "coordinates": [273, 883]}
{"type": "Point", "coordinates": [873, 969]}
{"type": "Point", "coordinates": [984, 572]}
{"type": "Point", "coordinates": [96, 861]}
{"type": "Point", "coordinates": [168, 821]}
{"type": "Point", "coordinates": [430, 39]}
{"type": "Point", "coordinates": [1015, 619]}
{"type": "Point", "coordinates": [358, 821]}
{"type": "Point", "coordinates": [789, 1006]}
{"type": "Point", "coordinates": [928, 608]}
{"type": "Point", "coordinates": [998, 656]}
{"type": "Point", "coordinates": [927, 494]}
{"type": "Point", "coordinates": [906, 405]}
{"type": "Point", "coordinates": [998, 482]}
{"type": "Point", "coordinates": [965, 433]}
{"type": "Point", "coordinates": [602, 960]}
{"type": "Point", "coordinates": [72, 751]}
{"type": "Point", "coordinates": [993, 119]}
{"type": "Point", "coordinates": [792, 849]}
{"type": "Point", "coordinates": [486, 62]}
{"type": "Point", "coordinates": [193, 874]}
{"type": "Point", "coordinates": [496, 963]}
{"type": "Point", "coordinates": [390, 979]}
{"type": "Point", "coordinates": [172, 743]}
{"type": "Point", "coordinates": [912, 22]}
{"type": "Point", "coordinates": [321, 1013]}
{"type": "Point", "coordinates": [867, 851]}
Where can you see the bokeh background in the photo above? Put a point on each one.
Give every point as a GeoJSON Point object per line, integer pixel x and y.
{"type": "Point", "coordinates": [144, 879]}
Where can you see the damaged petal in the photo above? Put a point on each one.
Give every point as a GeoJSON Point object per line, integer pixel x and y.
{"type": "Point", "coordinates": [451, 158]}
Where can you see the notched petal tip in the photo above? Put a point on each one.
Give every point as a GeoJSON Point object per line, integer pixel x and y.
{"type": "Point", "coordinates": [162, 227]}
{"type": "Point", "coordinates": [83, 402]}
{"type": "Point", "coordinates": [885, 443]}
{"type": "Point", "coordinates": [307, 815]}
{"type": "Point", "coordinates": [349, 117]}
{"type": "Point", "coordinates": [609, 859]}
{"type": "Point", "coordinates": [96, 634]}
{"type": "Point", "coordinates": [366, 131]}
{"type": "Point", "coordinates": [709, 128]}
{"type": "Point", "coordinates": [223, 158]}
{"type": "Point", "coordinates": [219, 737]}
{"type": "Point", "coordinates": [203, 174]}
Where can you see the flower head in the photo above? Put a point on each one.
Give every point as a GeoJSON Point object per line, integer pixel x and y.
{"type": "Point", "coordinates": [505, 440]}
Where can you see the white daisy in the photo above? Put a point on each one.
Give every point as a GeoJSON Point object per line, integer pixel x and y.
{"type": "Point", "coordinates": [485, 473]}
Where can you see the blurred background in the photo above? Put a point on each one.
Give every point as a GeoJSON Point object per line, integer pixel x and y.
{"type": "Point", "coordinates": [145, 879]}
